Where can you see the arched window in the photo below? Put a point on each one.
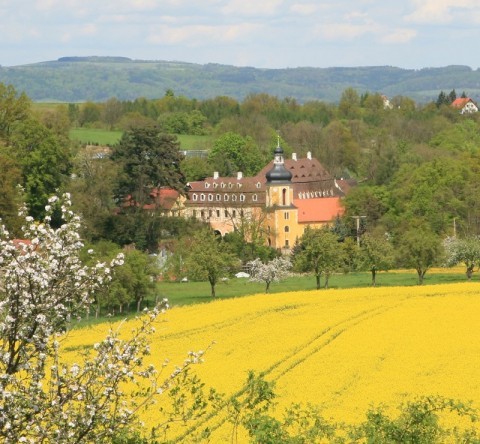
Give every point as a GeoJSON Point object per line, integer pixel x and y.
{"type": "Point", "coordinates": [287, 228]}
{"type": "Point", "coordinates": [284, 196]}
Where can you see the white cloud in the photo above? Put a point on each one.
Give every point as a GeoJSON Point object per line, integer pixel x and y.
{"type": "Point", "coordinates": [304, 8]}
{"type": "Point", "coordinates": [342, 31]}
{"type": "Point", "coordinates": [203, 34]}
{"type": "Point", "coordinates": [441, 11]}
{"type": "Point", "coordinates": [403, 35]}
{"type": "Point", "coordinates": [252, 7]}
{"type": "Point", "coordinates": [88, 30]}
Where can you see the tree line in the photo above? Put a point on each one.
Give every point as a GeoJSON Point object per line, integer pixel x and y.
{"type": "Point", "coordinates": [417, 166]}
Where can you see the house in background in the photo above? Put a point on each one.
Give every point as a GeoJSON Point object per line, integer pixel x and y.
{"type": "Point", "coordinates": [285, 197]}
{"type": "Point", "coordinates": [465, 105]}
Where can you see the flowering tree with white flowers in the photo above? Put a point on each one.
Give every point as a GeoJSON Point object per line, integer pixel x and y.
{"type": "Point", "coordinates": [272, 271]}
{"type": "Point", "coordinates": [43, 285]}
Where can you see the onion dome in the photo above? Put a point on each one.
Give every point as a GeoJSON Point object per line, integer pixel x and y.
{"type": "Point", "coordinates": [278, 174]}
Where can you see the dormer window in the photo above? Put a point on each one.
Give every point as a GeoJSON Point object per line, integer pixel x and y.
{"type": "Point", "coordinates": [207, 185]}
{"type": "Point", "coordinates": [215, 185]}
{"type": "Point", "coordinates": [258, 185]}
{"type": "Point", "coordinates": [230, 185]}
{"type": "Point", "coordinates": [223, 185]}
{"type": "Point", "coordinates": [239, 185]}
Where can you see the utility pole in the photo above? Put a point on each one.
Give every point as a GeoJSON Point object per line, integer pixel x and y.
{"type": "Point", "coordinates": [357, 218]}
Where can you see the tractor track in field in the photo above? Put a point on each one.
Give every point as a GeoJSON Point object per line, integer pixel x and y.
{"type": "Point", "coordinates": [300, 354]}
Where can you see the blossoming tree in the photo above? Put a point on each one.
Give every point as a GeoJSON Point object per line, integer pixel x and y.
{"type": "Point", "coordinates": [272, 271]}
{"type": "Point", "coordinates": [43, 398]}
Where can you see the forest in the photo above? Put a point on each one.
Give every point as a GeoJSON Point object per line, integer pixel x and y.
{"type": "Point", "coordinates": [416, 167]}
{"type": "Point", "coordinates": [78, 79]}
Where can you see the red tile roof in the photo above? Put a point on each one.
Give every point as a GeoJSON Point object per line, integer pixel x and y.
{"type": "Point", "coordinates": [165, 197]}
{"type": "Point", "coordinates": [461, 102]}
{"type": "Point", "coordinates": [322, 209]}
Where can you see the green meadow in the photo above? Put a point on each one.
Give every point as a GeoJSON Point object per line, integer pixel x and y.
{"type": "Point", "coordinates": [186, 293]}
{"type": "Point", "coordinates": [97, 136]}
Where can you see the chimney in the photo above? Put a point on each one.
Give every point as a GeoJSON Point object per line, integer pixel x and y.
{"type": "Point", "coordinates": [294, 156]}
{"type": "Point", "coordinates": [239, 175]}
{"type": "Point", "coordinates": [309, 155]}
{"type": "Point", "coordinates": [215, 175]}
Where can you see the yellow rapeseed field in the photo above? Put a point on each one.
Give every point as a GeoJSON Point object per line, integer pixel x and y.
{"type": "Point", "coordinates": [344, 350]}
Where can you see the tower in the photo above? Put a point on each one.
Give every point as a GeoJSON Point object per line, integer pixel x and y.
{"type": "Point", "coordinates": [281, 212]}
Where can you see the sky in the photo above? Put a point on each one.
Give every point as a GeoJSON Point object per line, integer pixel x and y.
{"type": "Point", "coordinates": [260, 33]}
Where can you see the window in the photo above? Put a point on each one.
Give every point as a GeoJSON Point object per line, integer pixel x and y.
{"type": "Point", "coordinates": [194, 197]}
{"type": "Point", "coordinates": [254, 197]}
{"type": "Point", "coordinates": [218, 197]}
{"type": "Point", "coordinates": [287, 243]}
{"type": "Point", "coordinates": [284, 196]}
{"type": "Point", "coordinates": [287, 229]}
{"type": "Point", "coordinates": [202, 197]}
{"type": "Point", "coordinates": [234, 197]}
{"type": "Point", "coordinates": [223, 185]}
{"type": "Point", "coordinates": [234, 213]}
{"type": "Point", "coordinates": [226, 213]}
{"type": "Point", "coordinates": [286, 215]}
{"type": "Point", "coordinates": [242, 197]}
{"type": "Point", "coordinates": [210, 197]}
{"type": "Point", "coordinates": [202, 214]}
{"type": "Point", "coordinates": [207, 185]}
{"type": "Point", "coordinates": [226, 197]}
{"type": "Point", "coordinates": [218, 214]}
{"type": "Point", "coordinates": [215, 185]}
{"type": "Point", "coordinates": [258, 185]}
{"type": "Point", "coordinates": [230, 185]}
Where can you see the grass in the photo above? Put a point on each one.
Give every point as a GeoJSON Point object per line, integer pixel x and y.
{"type": "Point", "coordinates": [96, 136]}
{"type": "Point", "coordinates": [190, 142]}
{"type": "Point", "coordinates": [187, 293]}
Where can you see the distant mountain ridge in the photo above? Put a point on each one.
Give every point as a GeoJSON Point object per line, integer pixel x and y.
{"type": "Point", "coordinates": [97, 78]}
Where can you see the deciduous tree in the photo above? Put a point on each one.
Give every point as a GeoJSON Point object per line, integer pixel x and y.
{"type": "Point", "coordinates": [232, 153]}
{"type": "Point", "coordinates": [44, 161]}
{"type": "Point", "coordinates": [208, 259]}
{"type": "Point", "coordinates": [148, 159]}
{"type": "Point", "coordinates": [44, 396]}
{"type": "Point", "coordinates": [463, 250]}
{"type": "Point", "coordinates": [318, 250]}
{"type": "Point", "coordinates": [271, 271]}
{"type": "Point", "coordinates": [14, 108]}
{"type": "Point", "coordinates": [419, 248]}
{"type": "Point", "coordinates": [376, 254]}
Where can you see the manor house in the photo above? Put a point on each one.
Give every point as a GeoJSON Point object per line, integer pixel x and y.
{"type": "Point", "coordinates": [280, 201]}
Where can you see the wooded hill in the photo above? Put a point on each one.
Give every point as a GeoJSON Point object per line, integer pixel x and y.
{"type": "Point", "coordinates": [77, 79]}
